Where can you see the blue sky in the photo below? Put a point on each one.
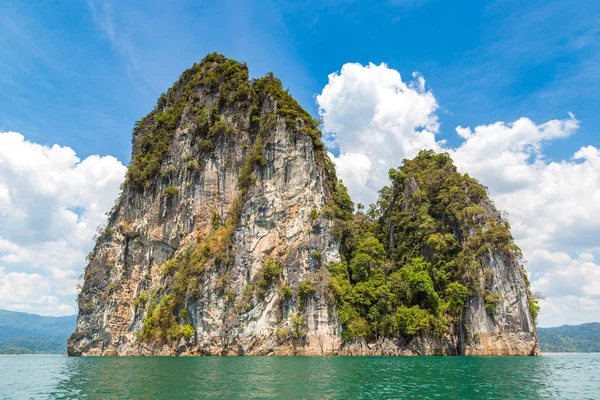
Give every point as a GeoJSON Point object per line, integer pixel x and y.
{"type": "Point", "coordinates": [79, 74]}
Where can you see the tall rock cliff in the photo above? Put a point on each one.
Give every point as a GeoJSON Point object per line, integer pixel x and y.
{"type": "Point", "coordinates": [232, 235]}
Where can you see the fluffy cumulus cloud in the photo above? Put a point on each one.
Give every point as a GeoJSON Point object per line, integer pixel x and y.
{"type": "Point", "coordinates": [51, 204]}
{"type": "Point", "coordinates": [20, 291]}
{"type": "Point", "coordinates": [376, 119]}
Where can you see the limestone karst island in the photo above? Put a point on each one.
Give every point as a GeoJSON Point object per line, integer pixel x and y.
{"type": "Point", "coordinates": [233, 236]}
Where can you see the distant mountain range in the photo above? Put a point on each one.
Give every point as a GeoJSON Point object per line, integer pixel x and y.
{"type": "Point", "coordinates": [583, 338]}
{"type": "Point", "coordinates": [22, 333]}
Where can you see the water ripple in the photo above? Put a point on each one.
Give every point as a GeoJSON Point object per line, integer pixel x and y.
{"type": "Point", "coordinates": [564, 376]}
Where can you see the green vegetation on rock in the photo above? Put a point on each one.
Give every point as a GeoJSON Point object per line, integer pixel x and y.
{"type": "Point", "coordinates": [228, 81]}
{"type": "Point", "coordinates": [411, 263]}
{"type": "Point", "coordinates": [153, 134]}
{"type": "Point", "coordinates": [264, 103]}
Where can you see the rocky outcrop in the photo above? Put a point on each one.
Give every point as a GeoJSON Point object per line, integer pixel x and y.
{"type": "Point", "coordinates": [193, 199]}
{"type": "Point", "coordinates": [510, 329]}
{"type": "Point", "coordinates": [219, 240]}
{"type": "Point", "coordinates": [460, 227]}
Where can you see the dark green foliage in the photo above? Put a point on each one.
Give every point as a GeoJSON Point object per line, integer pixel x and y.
{"type": "Point", "coordinates": [314, 214]}
{"type": "Point", "coordinates": [456, 295]}
{"type": "Point", "coordinates": [570, 338]}
{"type": "Point", "coordinates": [343, 204]}
{"type": "Point", "coordinates": [141, 299]}
{"type": "Point", "coordinates": [430, 211]}
{"type": "Point", "coordinates": [271, 270]}
{"type": "Point", "coordinates": [159, 320]}
{"type": "Point", "coordinates": [294, 115]}
{"type": "Point", "coordinates": [162, 324]}
{"type": "Point", "coordinates": [369, 254]}
{"type": "Point", "coordinates": [382, 304]}
{"type": "Point", "coordinates": [412, 321]}
{"type": "Point", "coordinates": [171, 191]}
{"type": "Point", "coordinates": [154, 144]}
{"type": "Point", "coordinates": [185, 314]}
{"type": "Point", "coordinates": [297, 325]}
{"type": "Point", "coordinates": [534, 308]}
{"type": "Point", "coordinates": [410, 263]}
{"type": "Point", "coordinates": [316, 255]}
{"type": "Point", "coordinates": [203, 122]}
{"type": "Point", "coordinates": [270, 273]}
{"type": "Point", "coordinates": [285, 292]}
{"type": "Point", "coordinates": [187, 331]}
{"type": "Point", "coordinates": [228, 81]}
{"type": "Point", "coordinates": [491, 302]}
{"type": "Point", "coordinates": [305, 289]}
{"type": "Point", "coordinates": [155, 132]}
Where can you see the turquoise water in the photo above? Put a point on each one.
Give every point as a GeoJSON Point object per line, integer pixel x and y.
{"type": "Point", "coordinates": [564, 376]}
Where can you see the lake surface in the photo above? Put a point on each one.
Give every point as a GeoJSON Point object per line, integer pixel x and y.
{"type": "Point", "coordinates": [564, 376]}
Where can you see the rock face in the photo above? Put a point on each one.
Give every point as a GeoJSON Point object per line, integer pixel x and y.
{"type": "Point", "coordinates": [219, 240]}
{"type": "Point", "coordinates": [511, 329]}
{"type": "Point", "coordinates": [465, 245]}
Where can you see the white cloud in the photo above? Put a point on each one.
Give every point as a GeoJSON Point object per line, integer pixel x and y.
{"type": "Point", "coordinates": [30, 293]}
{"type": "Point", "coordinates": [554, 207]}
{"type": "Point", "coordinates": [500, 154]}
{"type": "Point", "coordinates": [570, 277]}
{"type": "Point", "coordinates": [578, 310]}
{"type": "Point", "coordinates": [51, 204]}
{"type": "Point", "coordinates": [356, 170]}
{"type": "Point", "coordinates": [377, 120]}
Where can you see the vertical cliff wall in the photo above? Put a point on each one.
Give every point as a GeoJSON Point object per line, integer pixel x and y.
{"type": "Point", "coordinates": [228, 231]}
{"type": "Point", "coordinates": [227, 208]}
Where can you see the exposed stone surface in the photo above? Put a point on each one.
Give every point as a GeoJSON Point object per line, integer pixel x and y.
{"type": "Point", "coordinates": [510, 331]}
{"type": "Point", "coordinates": [282, 219]}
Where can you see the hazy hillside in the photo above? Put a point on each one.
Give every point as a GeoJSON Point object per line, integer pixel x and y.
{"type": "Point", "coordinates": [570, 338]}
{"type": "Point", "coordinates": [22, 333]}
